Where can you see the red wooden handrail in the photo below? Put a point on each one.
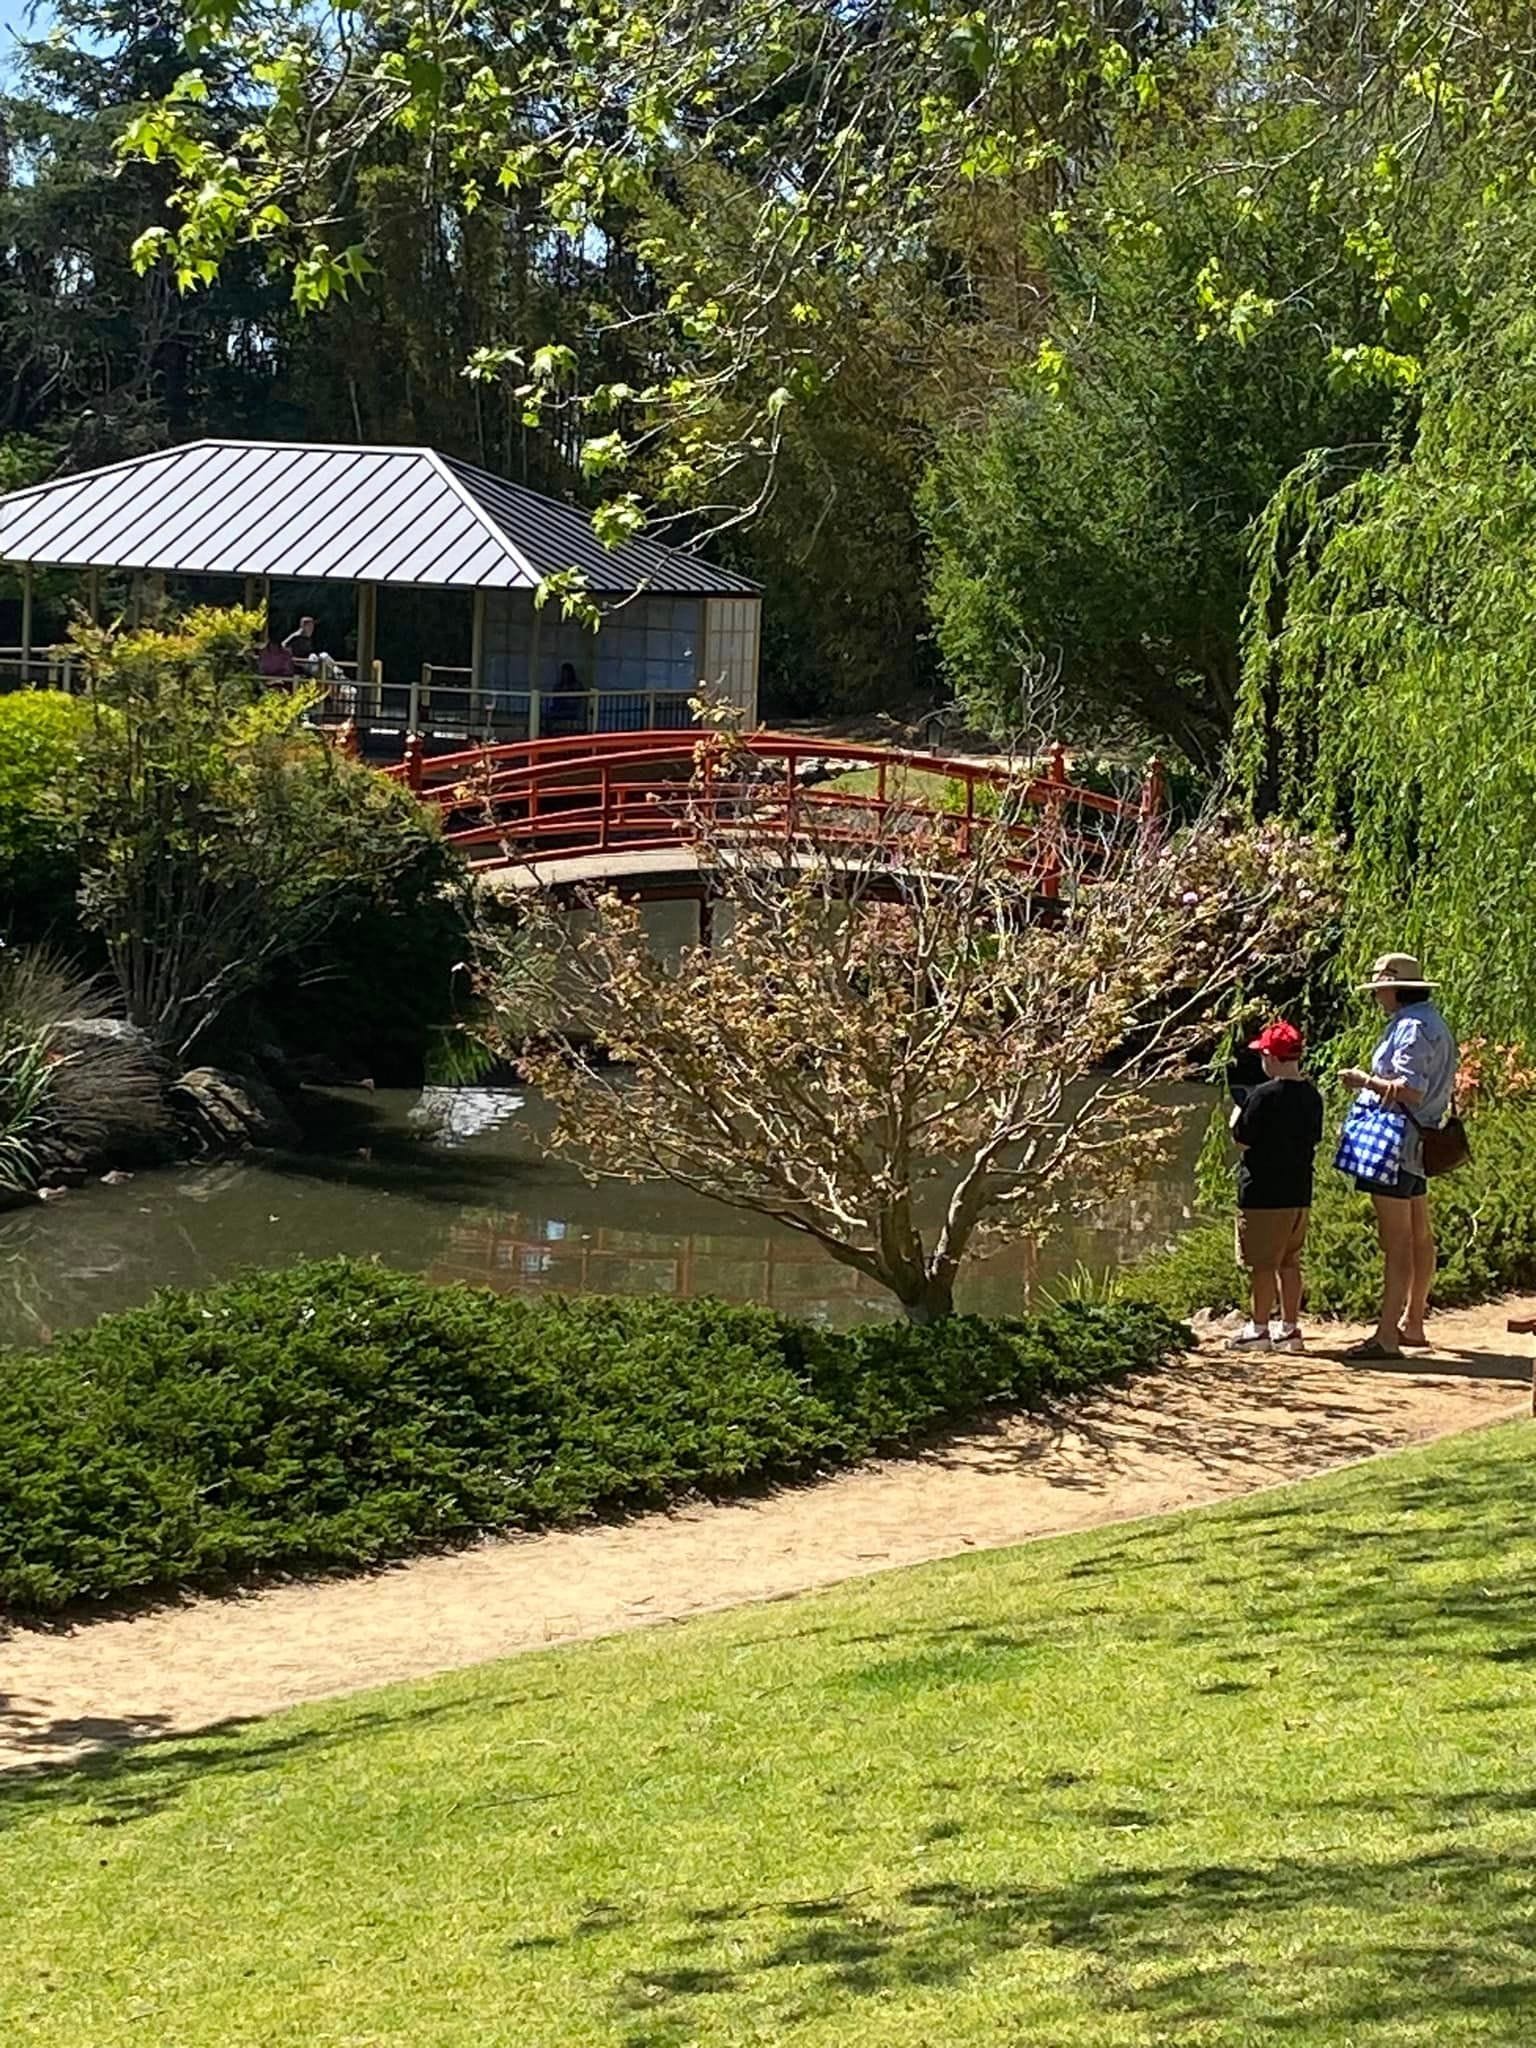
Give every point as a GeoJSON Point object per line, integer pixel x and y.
{"type": "Point", "coordinates": [570, 798]}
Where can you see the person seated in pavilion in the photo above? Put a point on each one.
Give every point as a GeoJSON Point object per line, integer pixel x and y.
{"type": "Point", "coordinates": [274, 660]}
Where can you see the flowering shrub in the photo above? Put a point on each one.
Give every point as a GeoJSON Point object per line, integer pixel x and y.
{"type": "Point", "coordinates": [900, 1047]}
{"type": "Point", "coordinates": [1490, 1074]}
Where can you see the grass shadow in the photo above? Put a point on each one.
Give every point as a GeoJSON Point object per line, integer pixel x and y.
{"type": "Point", "coordinates": [1184, 1944]}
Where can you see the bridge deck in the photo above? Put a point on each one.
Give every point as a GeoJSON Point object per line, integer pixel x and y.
{"type": "Point", "coordinates": [520, 878]}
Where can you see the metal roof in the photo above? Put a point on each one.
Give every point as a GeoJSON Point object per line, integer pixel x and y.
{"type": "Point", "coordinates": [311, 512]}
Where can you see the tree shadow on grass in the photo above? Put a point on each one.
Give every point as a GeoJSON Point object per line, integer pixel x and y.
{"type": "Point", "coordinates": [1391, 1950]}
{"type": "Point", "coordinates": [118, 1785]}
{"type": "Point", "coordinates": [1311, 1569]}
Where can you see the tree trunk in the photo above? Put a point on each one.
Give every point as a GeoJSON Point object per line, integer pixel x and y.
{"type": "Point", "coordinates": [930, 1301]}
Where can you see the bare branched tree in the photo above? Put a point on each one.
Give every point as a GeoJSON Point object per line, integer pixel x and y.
{"type": "Point", "coordinates": [913, 1030]}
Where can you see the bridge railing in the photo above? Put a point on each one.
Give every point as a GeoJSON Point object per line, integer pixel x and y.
{"type": "Point", "coordinates": [544, 803]}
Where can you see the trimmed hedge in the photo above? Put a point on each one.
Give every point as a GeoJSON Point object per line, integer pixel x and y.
{"type": "Point", "coordinates": [1484, 1218]}
{"type": "Point", "coordinates": [342, 1414]}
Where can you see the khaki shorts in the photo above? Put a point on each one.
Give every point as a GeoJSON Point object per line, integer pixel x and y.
{"type": "Point", "coordinates": [1271, 1239]}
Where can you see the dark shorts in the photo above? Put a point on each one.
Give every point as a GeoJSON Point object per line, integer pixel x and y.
{"type": "Point", "coordinates": [1407, 1188]}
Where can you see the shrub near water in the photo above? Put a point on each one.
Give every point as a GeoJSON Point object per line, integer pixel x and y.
{"type": "Point", "coordinates": [341, 1414]}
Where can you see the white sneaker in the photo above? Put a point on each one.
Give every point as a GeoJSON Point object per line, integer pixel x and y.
{"type": "Point", "coordinates": [1286, 1337]}
{"type": "Point", "coordinates": [1250, 1338]}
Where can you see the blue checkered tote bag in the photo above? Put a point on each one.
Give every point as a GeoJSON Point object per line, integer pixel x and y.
{"type": "Point", "coordinates": [1371, 1145]}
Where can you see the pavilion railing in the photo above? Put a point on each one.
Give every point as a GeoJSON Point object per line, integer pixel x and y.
{"type": "Point", "coordinates": [440, 702]}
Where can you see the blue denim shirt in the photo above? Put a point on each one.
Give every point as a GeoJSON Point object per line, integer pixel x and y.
{"type": "Point", "coordinates": [1420, 1050]}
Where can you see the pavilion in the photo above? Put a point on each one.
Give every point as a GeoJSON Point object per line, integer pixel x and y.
{"type": "Point", "coordinates": [386, 545]}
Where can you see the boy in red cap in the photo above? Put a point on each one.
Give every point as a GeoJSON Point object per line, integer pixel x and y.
{"type": "Point", "coordinates": [1279, 1127]}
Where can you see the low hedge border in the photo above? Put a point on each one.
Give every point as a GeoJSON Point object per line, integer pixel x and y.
{"type": "Point", "coordinates": [1484, 1218]}
{"type": "Point", "coordinates": [340, 1414]}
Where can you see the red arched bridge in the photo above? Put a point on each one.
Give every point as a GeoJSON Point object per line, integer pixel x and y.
{"type": "Point", "coordinates": [599, 805]}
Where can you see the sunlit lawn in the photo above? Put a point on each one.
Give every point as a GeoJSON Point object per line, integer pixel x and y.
{"type": "Point", "coordinates": [1262, 1775]}
{"type": "Point", "coordinates": [902, 785]}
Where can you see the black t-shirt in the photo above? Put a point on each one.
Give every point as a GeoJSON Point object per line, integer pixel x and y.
{"type": "Point", "coordinates": [1281, 1126]}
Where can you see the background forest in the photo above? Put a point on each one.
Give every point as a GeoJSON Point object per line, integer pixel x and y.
{"type": "Point", "coordinates": [1161, 376]}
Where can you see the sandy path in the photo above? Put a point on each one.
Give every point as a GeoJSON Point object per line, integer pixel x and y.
{"type": "Point", "coordinates": [1204, 1430]}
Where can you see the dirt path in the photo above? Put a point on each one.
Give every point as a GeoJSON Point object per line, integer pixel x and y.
{"type": "Point", "coordinates": [1204, 1430]}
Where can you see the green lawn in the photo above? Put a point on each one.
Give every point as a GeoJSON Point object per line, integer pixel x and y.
{"type": "Point", "coordinates": [1265, 1774]}
{"type": "Point", "coordinates": [912, 785]}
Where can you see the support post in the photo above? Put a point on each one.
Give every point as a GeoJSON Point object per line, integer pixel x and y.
{"type": "Point", "coordinates": [136, 600]}
{"type": "Point", "coordinates": [413, 714]}
{"type": "Point", "coordinates": [1525, 1326]}
{"type": "Point", "coordinates": [367, 630]}
{"type": "Point", "coordinates": [477, 656]}
{"type": "Point", "coordinates": [93, 595]}
{"type": "Point", "coordinates": [26, 620]}
{"type": "Point", "coordinates": [1055, 820]}
{"type": "Point", "coordinates": [534, 720]}
{"type": "Point", "coordinates": [1154, 797]}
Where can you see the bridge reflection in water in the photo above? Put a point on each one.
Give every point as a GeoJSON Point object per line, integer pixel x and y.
{"type": "Point", "coordinates": [615, 1238]}
{"type": "Point", "coordinates": [524, 1254]}
{"type": "Point", "coordinates": [457, 1183]}
{"type": "Point", "coordinates": [528, 1255]}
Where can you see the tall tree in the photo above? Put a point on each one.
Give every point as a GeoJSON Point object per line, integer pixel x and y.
{"type": "Point", "coordinates": [1096, 516]}
{"type": "Point", "coordinates": [1388, 690]}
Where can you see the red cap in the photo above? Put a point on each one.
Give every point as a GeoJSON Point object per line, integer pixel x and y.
{"type": "Point", "coordinates": [1280, 1040]}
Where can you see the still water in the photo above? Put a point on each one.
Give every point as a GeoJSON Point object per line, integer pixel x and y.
{"type": "Point", "coordinates": [454, 1183]}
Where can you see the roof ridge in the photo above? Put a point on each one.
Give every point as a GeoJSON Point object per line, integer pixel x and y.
{"type": "Point", "coordinates": [81, 476]}
{"type": "Point", "coordinates": [445, 465]}
{"type": "Point", "coordinates": [663, 551]}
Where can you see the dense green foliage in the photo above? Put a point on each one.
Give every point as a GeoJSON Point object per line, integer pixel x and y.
{"type": "Point", "coordinates": [1097, 515]}
{"type": "Point", "coordinates": [1392, 674]}
{"type": "Point", "coordinates": [245, 882]}
{"type": "Point", "coordinates": [744, 270]}
{"type": "Point", "coordinates": [40, 735]}
{"type": "Point", "coordinates": [1484, 1218]}
{"type": "Point", "coordinates": [1256, 1773]}
{"type": "Point", "coordinates": [340, 1414]}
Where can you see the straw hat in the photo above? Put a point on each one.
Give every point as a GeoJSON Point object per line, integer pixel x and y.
{"type": "Point", "coordinates": [1396, 970]}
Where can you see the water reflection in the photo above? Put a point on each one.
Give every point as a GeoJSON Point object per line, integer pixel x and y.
{"type": "Point", "coordinates": [454, 1184]}
{"type": "Point", "coordinates": [454, 1115]}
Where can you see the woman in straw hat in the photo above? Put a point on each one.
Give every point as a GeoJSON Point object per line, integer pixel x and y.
{"type": "Point", "coordinates": [1413, 1069]}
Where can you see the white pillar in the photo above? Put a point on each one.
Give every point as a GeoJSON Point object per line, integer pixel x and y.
{"type": "Point", "coordinates": [26, 617]}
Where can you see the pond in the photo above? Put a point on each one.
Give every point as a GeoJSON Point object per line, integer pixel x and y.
{"type": "Point", "coordinates": [454, 1183]}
